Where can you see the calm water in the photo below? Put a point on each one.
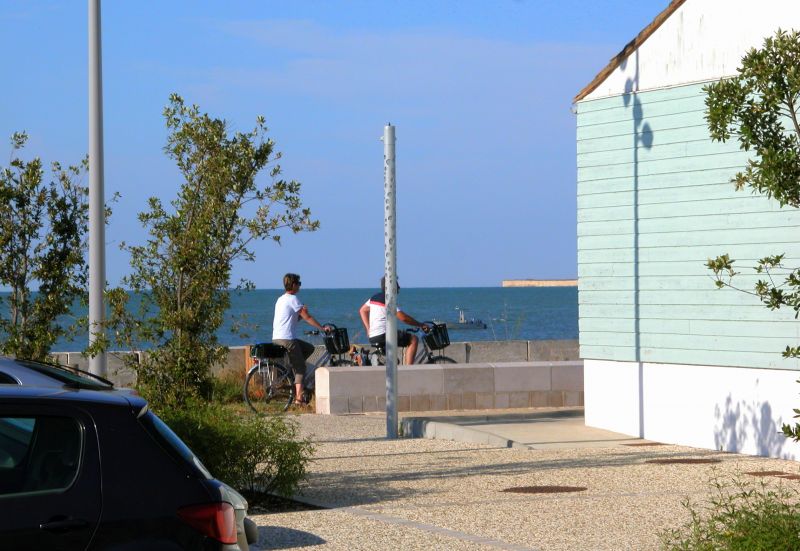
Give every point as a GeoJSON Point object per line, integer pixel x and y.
{"type": "Point", "coordinates": [526, 313]}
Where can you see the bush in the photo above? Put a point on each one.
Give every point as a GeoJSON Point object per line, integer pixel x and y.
{"type": "Point", "coordinates": [740, 517]}
{"type": "Point", "coordinates": [256, 455]}
{"type": "Point", "coordinates": [226, 388]}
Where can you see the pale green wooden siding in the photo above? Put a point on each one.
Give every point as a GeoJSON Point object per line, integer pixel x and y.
{"type": "Point", "coordinates": [688, 211]}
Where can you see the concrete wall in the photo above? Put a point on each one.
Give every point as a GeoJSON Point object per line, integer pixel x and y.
{"type": "Point", "coordinates": [737, 410]}
{"type": "Point", "coordinates": [451, 387]}
{"type": "Point", "coordinates": [238, 360]}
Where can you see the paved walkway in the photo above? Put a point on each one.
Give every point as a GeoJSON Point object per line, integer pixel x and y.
{"type": "Point", "coordinates": [539, 429]}
{"type": "Point", "coordinates": [443, 494]}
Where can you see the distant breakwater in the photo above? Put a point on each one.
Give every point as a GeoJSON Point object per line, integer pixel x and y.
{"type": "Point", "coordinates": [540, 283]}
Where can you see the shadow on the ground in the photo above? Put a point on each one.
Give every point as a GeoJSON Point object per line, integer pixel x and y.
{"type": "Point", "coordinates": [350, 440]}
{"type": "Point", "coordinates": [396, 454]}
{"type": "Point", "coordinates": [278, 537]}
{"type": "Point", "coordinates": [368, 485]}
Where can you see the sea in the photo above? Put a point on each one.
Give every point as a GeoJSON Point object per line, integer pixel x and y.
{"type": "Point", "coordinates": [508, 313]}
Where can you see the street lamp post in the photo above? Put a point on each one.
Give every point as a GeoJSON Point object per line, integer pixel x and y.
{"type": "Point", "coordinates": [390, 272]}
{"type": "Point", "coordinates": [97, 261]}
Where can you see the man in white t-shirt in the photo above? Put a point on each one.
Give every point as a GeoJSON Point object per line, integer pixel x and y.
{"type": "Point", "coordinates": [373, 316]}
{"type": "Point", "coordinates": [288, 311]}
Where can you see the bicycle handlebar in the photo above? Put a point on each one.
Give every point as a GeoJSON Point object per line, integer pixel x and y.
{"type": "Point", "coordinates": [426, 326]}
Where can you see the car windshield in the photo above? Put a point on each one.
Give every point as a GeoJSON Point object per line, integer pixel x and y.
{"type": "Point", "coordinates": [173, 443]}
{"type": "Point", "coordinates": [68, 377]}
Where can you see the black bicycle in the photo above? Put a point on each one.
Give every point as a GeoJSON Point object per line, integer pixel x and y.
{"type": "Point", "coordinates": [271, 377]}
{"type": "Point", "coordinates": [433, 342]}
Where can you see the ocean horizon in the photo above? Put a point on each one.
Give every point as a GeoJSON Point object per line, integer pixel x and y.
{"type": "Point", "coordinates": [509, 313]}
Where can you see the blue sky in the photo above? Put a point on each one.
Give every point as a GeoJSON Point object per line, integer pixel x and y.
{"type": "Point", "coordinates": [479, 91]}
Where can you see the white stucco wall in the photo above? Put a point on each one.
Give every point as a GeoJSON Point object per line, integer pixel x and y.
{"type": "Point", "coordinates": [720, 408]}
{"type": "Point", "coordinates": [703, 40]}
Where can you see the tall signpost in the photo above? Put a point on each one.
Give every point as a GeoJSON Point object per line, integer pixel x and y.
{"type": "Point", "coordinates": [390, 272]}
{"type": "Point", "coordinates": [97, 260]}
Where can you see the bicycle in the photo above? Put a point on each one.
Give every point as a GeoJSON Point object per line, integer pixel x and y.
{"type": "Point", "coordinates": [271, 378]}
{"type": "Point", "coordinates": [337, 345]}
{"type": "Point", "coordinates": [433, 342]}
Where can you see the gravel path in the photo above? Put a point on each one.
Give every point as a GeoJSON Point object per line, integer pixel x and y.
{"type": "Point", "coordinates": [436, 494]}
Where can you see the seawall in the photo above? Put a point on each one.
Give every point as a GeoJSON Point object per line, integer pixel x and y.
{"type": "Point", "coordinates": [238, 359]}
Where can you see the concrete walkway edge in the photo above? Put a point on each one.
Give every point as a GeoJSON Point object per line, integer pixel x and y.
{"type": "Point", "coordinates": [452, 427]}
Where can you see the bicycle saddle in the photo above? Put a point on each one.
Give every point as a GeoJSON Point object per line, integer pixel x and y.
{"type": "Point", "coordinates": [267, 350]}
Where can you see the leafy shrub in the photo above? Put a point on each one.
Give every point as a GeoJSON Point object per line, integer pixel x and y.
{"type": "Point", "coordinates": [740, 517]}
{"type": "Point", "coordinates": [226, 388]}
{"type": "Point", "coordinates": [254, 454]}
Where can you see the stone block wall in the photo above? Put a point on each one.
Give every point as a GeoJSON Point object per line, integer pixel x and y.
{"type": "Point", "coordinates": [506, 385]}
{"type": "Point", "coordinates": [478, 352]}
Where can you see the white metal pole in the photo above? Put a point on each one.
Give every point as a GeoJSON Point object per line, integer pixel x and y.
{"type": "Point", "coordinates": [97, 260]}
{"type": "Point", "coordinates": [390, 269]}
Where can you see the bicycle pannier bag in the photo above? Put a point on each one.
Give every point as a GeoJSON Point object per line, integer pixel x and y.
{"type": "Point", "coordinates": [267, 350]}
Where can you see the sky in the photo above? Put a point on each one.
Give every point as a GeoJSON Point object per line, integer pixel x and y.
{"type": "Point", "coordinates": [479, 91]}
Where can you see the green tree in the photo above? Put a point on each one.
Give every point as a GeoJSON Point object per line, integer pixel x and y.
{"type": "Point", "coordinates": [759, 107]}
{"type": "Point", "coordinates": [183, 272]}
{"type": "Point", "coordinates": [43, 229]}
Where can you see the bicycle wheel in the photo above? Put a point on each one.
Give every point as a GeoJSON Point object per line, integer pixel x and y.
{"type": "Point", "coordinates": [441, 360]}
{"type": "Point", "coordinates": [265, 384]}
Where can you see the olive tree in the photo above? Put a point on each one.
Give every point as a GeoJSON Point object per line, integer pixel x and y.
{"type": "Point", "coordinates": [182, 272]}
{"type": "Point", "coordinates": [759, 108]}
{"type": "Point", "coordinates": [43, 228]}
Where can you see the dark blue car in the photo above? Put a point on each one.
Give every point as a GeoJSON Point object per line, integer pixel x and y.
{"type": "Point", "coordinates": [86, 469]}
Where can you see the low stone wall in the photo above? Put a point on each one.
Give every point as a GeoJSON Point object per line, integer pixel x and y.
{"type": "Point", "coordinates": [444, 387]}
{"type": "Point", "coordinates": [238, 360]}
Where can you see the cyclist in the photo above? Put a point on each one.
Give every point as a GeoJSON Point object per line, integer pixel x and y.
{"type": "Point", "coordinates": [373, 316]}
{"type": "Point", "coordinates": [288, 311]}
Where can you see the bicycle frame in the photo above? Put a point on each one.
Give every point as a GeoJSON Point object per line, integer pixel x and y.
{"type": "Point", "coordinates": [427, 355]}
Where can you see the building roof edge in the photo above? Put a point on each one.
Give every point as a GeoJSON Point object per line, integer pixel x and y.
{"type": "Point", "coordinates": [629, 48]}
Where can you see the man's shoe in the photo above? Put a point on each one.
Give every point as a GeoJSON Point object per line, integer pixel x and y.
{"type": "Point", "coordinates": [301, 406]}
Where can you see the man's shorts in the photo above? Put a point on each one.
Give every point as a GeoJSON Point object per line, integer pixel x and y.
{"type": "Point", "coordinates": [403, 339]}
{"type": "Point", "coordinates": [299, 351]}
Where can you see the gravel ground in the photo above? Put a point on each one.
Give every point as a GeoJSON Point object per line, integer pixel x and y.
{"type": "Point", "coordinates": [423, 494]}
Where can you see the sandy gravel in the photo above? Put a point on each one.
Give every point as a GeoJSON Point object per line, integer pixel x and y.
{"type": "Point", "coordinates": [434, 494]}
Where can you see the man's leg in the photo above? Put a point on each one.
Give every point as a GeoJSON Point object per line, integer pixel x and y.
{"type": "Point", "coordinates": [306, 349]}
{"type": "Point", "coordinates": [298, 366]}
{"type": "Point", "coordinates": [411, 349]}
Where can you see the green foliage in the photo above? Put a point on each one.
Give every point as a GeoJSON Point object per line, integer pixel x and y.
{"type": "Point", "coordinates": [760, 108]}
{"type": "Point", "coordinates": [183, 271]}
{"type": "Point", "coordinates": [254, 454]}
{"type": "Point", "coordinates": [740, 517]}
{"type": "Point", "coordinates": [227, 388]}
{"type": "Point", "coordinates": [43, 228]}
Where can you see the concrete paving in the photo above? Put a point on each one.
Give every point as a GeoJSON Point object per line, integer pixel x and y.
{"type": "Point", "coordinates": [548, 428]}
{"type": "Point", "coordinates": [420, 493]}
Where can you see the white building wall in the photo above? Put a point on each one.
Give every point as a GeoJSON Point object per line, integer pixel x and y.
{"type": "Point", "coordinates": [723, 408]}
{"type": "Point", "coordinates": [703, 40]}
